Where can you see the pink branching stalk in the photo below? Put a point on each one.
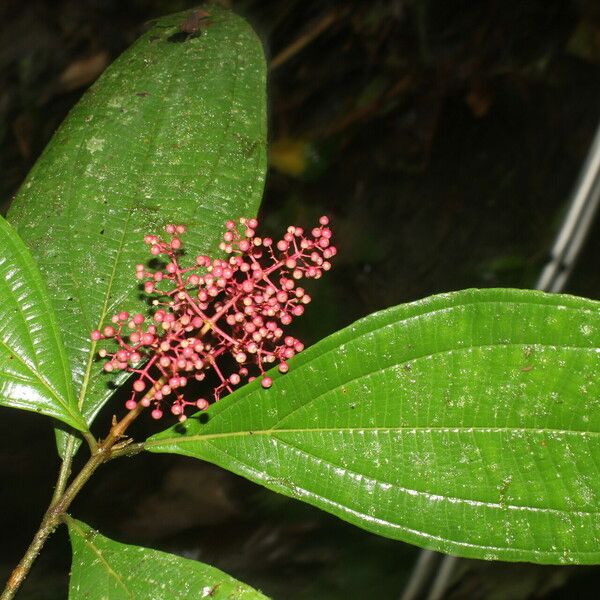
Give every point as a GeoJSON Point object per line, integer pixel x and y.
{"type": "Point", "coordinates": [216, 308]}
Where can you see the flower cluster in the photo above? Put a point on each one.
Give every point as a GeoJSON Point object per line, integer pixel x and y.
{"type": "Point", "coordinates": [236, 307]}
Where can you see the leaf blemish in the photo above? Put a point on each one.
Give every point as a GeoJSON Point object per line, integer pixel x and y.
{"type": "Point", "coordinates": [195, 21]}
{"type": "Point", "coordinates": [192, 26]}
{"type": "Point", "coordinates": [503, 488]}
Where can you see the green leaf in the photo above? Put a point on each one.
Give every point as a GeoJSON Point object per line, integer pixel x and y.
{"type": "Point", "coordinates": [174, 131]}
{"type": "Point", "coordinates": [34, 369]}
{"type": "Point", "coordinates": [107, 570]}
{"type": "Point", "coordinates": [468, 423]}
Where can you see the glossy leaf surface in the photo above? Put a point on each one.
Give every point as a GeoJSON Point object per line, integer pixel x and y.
{"type": "Point", "coordinates": [467, 422]}
{"type": "Point", "coordinates": [34, 369]}
{"type": "Point", "coordinates": [174, 131]}
{"type": "Point", "coordinates": [107, 570]}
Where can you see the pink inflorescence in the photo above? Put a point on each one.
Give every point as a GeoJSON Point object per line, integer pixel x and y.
{"type": "Point", "coordinates": [237, 307]}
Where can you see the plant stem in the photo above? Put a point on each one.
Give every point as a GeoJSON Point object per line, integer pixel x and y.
{"type": "Point", "coordinates": [127, 450]}
{"type": "Point", "coordinates": [64, 473]}
{"type": "Point", "coordinates": [63, 498]}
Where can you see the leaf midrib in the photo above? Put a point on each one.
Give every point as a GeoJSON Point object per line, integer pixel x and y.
{"type": "Point", "coordinates": [73, 524]}
{"type": "Point", "coordinates": [159, 123]}
{"type": "Point", "coordinates": [40, 378]}
{"type": "Point", "coordinates": [275, 435]}
{"type": "Point", "coordinates": [397, 429]}
{"type": "Point", "coordinates": [35, 280]}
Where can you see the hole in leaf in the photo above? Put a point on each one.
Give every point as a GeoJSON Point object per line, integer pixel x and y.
{"type": "Point", "coordinates": [178, 37]}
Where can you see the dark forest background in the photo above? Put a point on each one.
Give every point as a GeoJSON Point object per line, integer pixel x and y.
{"type": "Point", "coordinates": [442, 136]}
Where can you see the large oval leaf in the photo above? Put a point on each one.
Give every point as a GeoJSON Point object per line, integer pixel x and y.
{"type": "Point", "coordinates": [34, 369]}
{"type": "Point", "coordinates": [107, 570]}
{"type": "Point", "coordinates": [174, 131]}
{"type": "Point", "coordinates": [467, 422]}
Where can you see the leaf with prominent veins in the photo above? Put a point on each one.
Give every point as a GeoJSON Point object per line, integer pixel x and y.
{"type": "Point", "coordinates": [468, 423]}
{"type": "Point", "coordinates": [107, 570]}
{"type": "Point", "coordinates": [34, 368]}
{"type": "Point", "coordinates": [173, 131]}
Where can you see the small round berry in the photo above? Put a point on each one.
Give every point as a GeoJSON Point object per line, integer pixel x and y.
{"type": "Point", "coordinates": [266, 382]}
{"type": "Point", "coordinates": [147, 339]}
{"type": "Point", "coordinates": [139, 386]}
{"type": "Point", "coordinates": [156, 414]}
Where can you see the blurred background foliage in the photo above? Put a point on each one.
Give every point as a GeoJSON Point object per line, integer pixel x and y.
{"type": "Point", "coordinates": [442, 136]}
